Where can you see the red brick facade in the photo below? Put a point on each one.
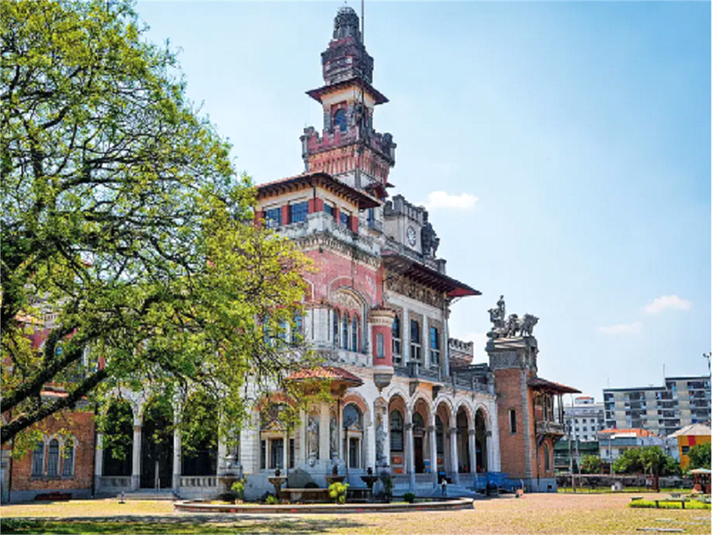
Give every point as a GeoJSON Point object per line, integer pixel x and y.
{"type": "Point", "coordinates": [79, 425]}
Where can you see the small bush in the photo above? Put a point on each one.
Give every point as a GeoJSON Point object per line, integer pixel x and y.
{"type": "Point", "coordinates": [409, 497]}
{"type": "Point", "coordinates": [271, 500]}
{"type": "Point", "coordinates": [650, 504]}
{"type": "Point", "coordinates": [338, 492]}
{"type": "Point", "coordinates": [238, 488]}
{"type": "Point", "coordinates": [388, 486]}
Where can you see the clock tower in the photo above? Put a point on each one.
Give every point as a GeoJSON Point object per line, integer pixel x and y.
{"type": "Point", "coordinates": [349, 148]}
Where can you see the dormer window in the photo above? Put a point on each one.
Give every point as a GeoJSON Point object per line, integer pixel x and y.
{"type": "Point", "coordinates": [340, 120]}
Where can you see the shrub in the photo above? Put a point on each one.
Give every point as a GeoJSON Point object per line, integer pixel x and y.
{"type": "Point", "coordinates": [271, 500]}
{"type": "Point", "coordinates": [650, 504]}
{"type": "Point", "coordinates": [338, 492]}
{"type": "Point", "coordinates": [388, 486]}
{"type": "Point", "coordinates": [409, 497]}
{"type": "Point", "coordinates": [591, 464]}
{"type": "Point", "coordinates": [700, 456]}
{"type": "Point", "coordinates": [238, 488]}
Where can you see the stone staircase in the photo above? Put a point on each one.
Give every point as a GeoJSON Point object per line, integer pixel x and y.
{"type": "Point", "coordinates": [145, 495]}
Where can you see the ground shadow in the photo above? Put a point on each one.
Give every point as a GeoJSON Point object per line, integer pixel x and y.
{"type": "Point", "coordinates": [184, 524]}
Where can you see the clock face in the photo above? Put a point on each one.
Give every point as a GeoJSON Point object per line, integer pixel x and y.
{"type": "Point", "coordinates": [411, 236]}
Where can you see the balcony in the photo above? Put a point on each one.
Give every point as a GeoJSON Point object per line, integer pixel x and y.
{"type": "Point", "coordinates": [435, 264]}
{"type": "Point", "coordinates": [323, 223]}
{"type": "Point", "coordinates": [548, 427]}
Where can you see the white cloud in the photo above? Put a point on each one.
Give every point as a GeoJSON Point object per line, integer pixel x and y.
{"type": "Point", "coordinates": [667, 301]}
{"type": "Point", "coordinates": [441, 199]}
{"type": "Point", "coordinates": [622, 328]}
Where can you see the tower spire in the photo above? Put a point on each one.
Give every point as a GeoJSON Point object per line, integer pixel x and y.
{"type": "Point", "coordinates": [349, 148]}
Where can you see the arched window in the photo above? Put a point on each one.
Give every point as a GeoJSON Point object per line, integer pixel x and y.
{"type": "Point", "coordinates": [396, 339]}
{"type": "Point", "coordinates": [345, 331]}
{"type": "Point", "coordinates": [297, 332]}
{"type": "Point", "coordinates": [38, 460]}
{"type": "Point", "coordinates": [352, 421]}
{"type": "Point", "coordinates": [53, 458]}
{"type": "Point", "coordinates": [380, 346]}
{"type": "Point", "coordinates": [355, 334]}
{"type": "Point", "coordinates": [418, 421]}
{"type": "Point", "coordinates": [547, 458]}
{"type": "Point", "coordinates": [68, 460]}
{"type": "Point", "coordinates": [340, 120]}
{"type": "Point", "coordinates": [396, 426]}
{"type": "Point", "coordinates": [335, 327]}
{"type": "Point", "coordinates": [439, 436]}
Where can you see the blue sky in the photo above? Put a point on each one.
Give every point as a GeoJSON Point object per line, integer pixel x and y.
{"type": "Point", "coordinates": [583, 130]}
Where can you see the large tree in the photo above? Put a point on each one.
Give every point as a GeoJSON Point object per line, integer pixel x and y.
{"type": "Point", "coordinates": [700, 456]}
{"type": "Point", "coordinates": [123, 220]}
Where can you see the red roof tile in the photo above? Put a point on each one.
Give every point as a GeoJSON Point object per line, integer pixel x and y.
{"type": "Point", "coordinates": [543, 384]}
{"type": "Point", "coordinates": [325, 372]}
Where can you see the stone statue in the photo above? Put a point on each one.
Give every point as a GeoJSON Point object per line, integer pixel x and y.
{"type": "Point", "coordinates": [429, 239]}
{"type": "Point", "coordinates": [380, 438]}
{"type": "Point", "coordinates": [313, 440]}
{"type": "Point", "coordinates": [512, 327]}
{"type": "Point", "coordinates": [528, 323]}
{"type": "Point", "coordinates": [497, 318]}
{"type": "Point", "coordinates": [333, 437]}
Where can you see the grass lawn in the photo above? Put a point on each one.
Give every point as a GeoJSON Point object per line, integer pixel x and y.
{"type": "Point", "coordinates": [535, 514]}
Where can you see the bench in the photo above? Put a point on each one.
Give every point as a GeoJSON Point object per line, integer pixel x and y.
{"type": "Point", "coordinates": [305, 495]}
{"type": "Point", "coordinates": [358, 495]}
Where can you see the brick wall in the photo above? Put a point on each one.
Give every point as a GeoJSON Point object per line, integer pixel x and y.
{"type": "Point", "coordinates": [512, 446]}
{"type": "Point", "coordinates": [80, 425]}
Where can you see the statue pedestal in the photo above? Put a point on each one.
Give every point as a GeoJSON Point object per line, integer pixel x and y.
{"type": "Point", "coordinates": [277, 482]}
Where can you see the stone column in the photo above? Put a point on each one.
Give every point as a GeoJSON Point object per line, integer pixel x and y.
{"type": "Point", "coordinates": [324, 436]}
{"type": "Point", "coordinates": [434, 453]}
{"type": "Point", "coordinates": [222, 453]}
{"type": "Point", "coordinates": [410, 461]}
{"type": "Point", "coordinates": [471, 449]}
{"type": "Point", "coordinates": [98, 463]}
{"type": "Point", "coordinates": [286, 453]}
{"type": "Point", "coordinates": [454, 453]}
{"type": "Point", "coordinates": [176, 459]}
{"type": "Point", "coordinates": [136, 457]}
{"type": "Point", "coordinates": [302, 457]}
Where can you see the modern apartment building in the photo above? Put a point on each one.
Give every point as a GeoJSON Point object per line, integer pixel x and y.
{"type": "Point", "coordinates": [583, 419]}
{"type": "Point", "coordinates": [662, 410]}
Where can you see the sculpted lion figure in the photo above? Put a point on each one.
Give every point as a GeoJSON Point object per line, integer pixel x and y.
{"type": "Point", "coordinates": [527, 324]}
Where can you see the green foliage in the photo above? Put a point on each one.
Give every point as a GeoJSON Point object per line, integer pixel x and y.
{"type": "Point", "coordinates": [409, 497]}
{"type": "Point", "coordinates": [650, 504]}
{"type": "Point", "coordinates": [591, 464]}
{"type": "Point", "coordinates": [338, 492]}
{"type": "Point", "coordinates": [646, 459]}
{"type": "Point", "coordinates": [271, 500]}
{"type": "Point", "coordinates": [700, 456]}
{"type": "Point", "coordinates": [125, 224]}
{"type": "Point", "coordinates": [388, 486]}
{"type": "Point", "coordinates": [238, 487]}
